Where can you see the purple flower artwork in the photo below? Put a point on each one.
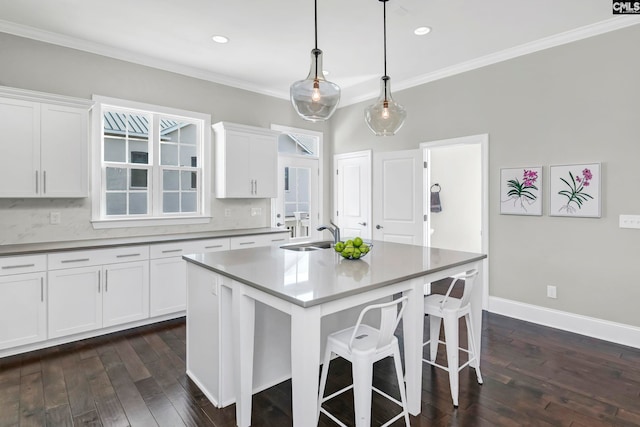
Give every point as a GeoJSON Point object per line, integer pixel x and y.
{"type": "Point", "coordinates": [575, 190]}
{"type": "Point", "coordinates": [520, 191]}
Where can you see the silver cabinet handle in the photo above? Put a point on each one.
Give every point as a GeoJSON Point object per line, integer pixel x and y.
{"type": "Point", "coordinates": [127, 255]}
{"type": "Point", "coordinates": [277, 240]}
{"type": "Point", "coordinates": [171, 250]}
{"type": "Point", "coordinates": [379, 226]}
{"type": "Point", "coordinates": [364, 224]}
{"type": "Point", "coordinates": [7, 267]}
{"type": "Point", "coordinates": [247, 243]}
{"type": "Point", "coordinates": [44, 182]}
{"type": "Point", "coordinates": [256, 181]}
{"type": "Point", "coordinates": [213, 246]}
{"type": "Point", "coordinates": [41, 289]}
{"type": "Point", "coordinates": [64, 261]}
{"type": "Point", "coordinates": [98, 281]}
{"type": "Point", "coordinates": [36, 182]}
{"type": "Point", "coordinates": [106, 280]}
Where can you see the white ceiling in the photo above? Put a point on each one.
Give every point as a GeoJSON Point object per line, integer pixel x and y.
{"type": "Point", "coordinates": [270, 41]}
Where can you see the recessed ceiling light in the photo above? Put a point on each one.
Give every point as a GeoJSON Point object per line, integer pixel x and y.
{"type": "Point", "coordinates": [421, 31]}
{"type": "Point", "coordinates": [220, 39]}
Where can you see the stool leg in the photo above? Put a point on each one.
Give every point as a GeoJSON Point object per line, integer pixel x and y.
{"type": "Point", "coordinates": [434, 335]}
{"type": "Point", "coordinates": [362, 382]}
{"type": "Point", "coordinates": [323, 377]}
{"type": "Point", "coordinates": [473, 348]}
{"type": "Point", "coordinates": [403, 394]}
{"type": "Point", "coordinates": [451, 340]}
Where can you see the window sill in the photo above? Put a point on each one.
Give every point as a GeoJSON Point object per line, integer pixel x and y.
{"type": "Point", "coordinates": [99, 224]}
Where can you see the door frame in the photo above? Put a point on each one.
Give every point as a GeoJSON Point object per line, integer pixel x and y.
{"type": "Point", "coordinates": [483, 141]}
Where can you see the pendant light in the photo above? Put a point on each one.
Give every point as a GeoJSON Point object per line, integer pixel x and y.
{"type": "Point", "coordinates": [314, 98]}
{"type": "Point", "coordinates": [385, 117]}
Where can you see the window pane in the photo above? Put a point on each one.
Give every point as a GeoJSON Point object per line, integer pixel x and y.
{"type": "Point", "coordinates": [189, 134]}
{"type": "Point", "coordinates": [303, 184]}
{"type": "Point", "coordinates": [115, 149]}
{"type": "Point", "coordinates": [170, 202]}
{"type": "Point", "coordinates": [138, 203]}
{"type": "Point", "coordinates": [186, 183]}
{"type": "Point", "coordinates": [188, 155]}
{"type": "Point", "coordinates": [170, 180]}
{"type": "Point", "coordinates": [139, 178]}
{"type": "Point", "coordinates": [116, 179]}
{"type": "Point", "coordinates": [138, 126]}
{"type": "Point", "coordinates": [169, 155]}
{"type": "Point", "coordinates": [116, 203]}
{"type": "Point", "coordinates": [139, 152]}
{"type": "Point", "coordinates": [189, 202]}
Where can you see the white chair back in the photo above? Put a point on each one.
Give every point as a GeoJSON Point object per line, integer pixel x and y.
{"type": "Point", "coordinates": [389, 319]}
{"type": "Point", "coordinates": [469, 278]}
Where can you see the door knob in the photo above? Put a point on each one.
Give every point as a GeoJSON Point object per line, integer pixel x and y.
{"type": "Point", "coordinates": [379, 226]}
{"type": "Point", "coordinates": [278, 224]}
{"type": "Point", "coordinates": [364, 224]}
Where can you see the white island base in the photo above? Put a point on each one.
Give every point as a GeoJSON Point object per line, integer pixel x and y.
{"type": "Point", "coordinates": [210, 337]}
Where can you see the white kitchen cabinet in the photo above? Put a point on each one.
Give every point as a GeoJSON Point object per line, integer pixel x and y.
{"type": "Point", "coordinates": [95, 289]}
{"type": "Point", "coordinates": [169, 273]}
{"type": "Point", "coordinates": [43, 145]}
{"type": "Point", "coordinates": [23, 311]}
{"type": "Point", "coordinates": [246, 161]}
{"type": "Point", "coordinates": [257, 240]}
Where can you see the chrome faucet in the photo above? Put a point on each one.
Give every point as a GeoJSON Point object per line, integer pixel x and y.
{"type": "Point", "coordinates": [335, 231]}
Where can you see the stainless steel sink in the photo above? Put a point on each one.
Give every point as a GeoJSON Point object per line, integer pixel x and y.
{"type": "Point", "coordinates": [309, 246]}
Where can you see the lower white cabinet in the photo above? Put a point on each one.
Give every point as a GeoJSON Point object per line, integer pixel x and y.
{"type": "Point", "coordinates": [91, 297]}
{"type": "Point", "coordinates": [169, 273]}
{"type": "Point", "coordinates": [23, 318]}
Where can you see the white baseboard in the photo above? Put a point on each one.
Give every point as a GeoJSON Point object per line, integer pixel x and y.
{"type": "Point", "coordinates": [590, 326]}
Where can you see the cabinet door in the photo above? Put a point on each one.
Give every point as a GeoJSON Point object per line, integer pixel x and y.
{"type": "Point", "coordinates": [63, 147]}
{"type": "Point", "coordinates": [126, 292]}
{"type": "Point", "coordinates": [19, 148]}
{"type": "Point", "coordinates": [22, 309]}
{"type": "Point", "coordinates": [168, 286]}
{"type": "Point", "coordinates": [75, 303]}
{"type": "Point", "coordinates": [263, 166]}
{"type": "Point", "coordinates": [238, 175]}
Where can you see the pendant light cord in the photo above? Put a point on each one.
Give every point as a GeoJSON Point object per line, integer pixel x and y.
{"type": "Point", "coordinates": [384, 26]}
{"type": "Point", "coordinates": [315, 21]}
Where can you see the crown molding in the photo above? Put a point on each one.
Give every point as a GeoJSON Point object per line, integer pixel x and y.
{"type": "Point", "coordinates": [162, 64]}
{"type": "Point", "coordinates": [504, 55]}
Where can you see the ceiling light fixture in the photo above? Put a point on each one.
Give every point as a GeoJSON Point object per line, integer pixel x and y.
{"type": "Point", "coordinates": [421, 31]}
{"type": "Point", "coordinates": [314, 98]}
{"type": "Point", "coordinates": [385, 117]}
{"type": "Point", "coordinates": [220, 39]}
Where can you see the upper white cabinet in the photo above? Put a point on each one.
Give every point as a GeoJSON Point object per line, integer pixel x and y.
{"type": "Point", "coordinates": [246, 161]}
{"type": "Point", "coordinates": [43, 145]}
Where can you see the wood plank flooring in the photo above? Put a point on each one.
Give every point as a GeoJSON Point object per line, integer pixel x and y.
{"type": "Point", "coordinates": [533, 376]}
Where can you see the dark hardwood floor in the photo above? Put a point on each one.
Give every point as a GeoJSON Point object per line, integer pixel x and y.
{"type": "Point", "coordinates": [533, 375]}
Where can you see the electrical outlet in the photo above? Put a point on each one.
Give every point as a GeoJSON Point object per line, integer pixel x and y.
{"type": "Point", "coordinates": [629, 221]}
{"type": "Point", "coordinates": [54, 218]}
{"type": "Point", "coordinates": [551, 292]}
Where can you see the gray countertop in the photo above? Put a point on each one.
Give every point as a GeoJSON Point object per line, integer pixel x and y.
{"type": "Point", "coordinates": [311, 278]}
{"type": "Point", "coordinates": [35, 248]}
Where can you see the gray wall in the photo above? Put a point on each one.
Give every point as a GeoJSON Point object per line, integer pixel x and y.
{"type": "Point", "coordinates": [33, 65]}
{"type": "Point", "coordinates": [570, 104]}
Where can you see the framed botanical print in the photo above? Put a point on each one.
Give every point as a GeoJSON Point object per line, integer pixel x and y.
{"type": "Point", "coordinates": [574, 190]}
{"type": "Point", "coordinates": [521, 191]}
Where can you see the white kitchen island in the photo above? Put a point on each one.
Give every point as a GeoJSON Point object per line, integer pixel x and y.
{"type": "Point", "coordinates": [257, 316]}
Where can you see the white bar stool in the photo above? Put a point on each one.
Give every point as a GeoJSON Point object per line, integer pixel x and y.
{"type": "Point", "coordinates": [450, 309]}
{"type": "Point", "coordinates": [363, 345]}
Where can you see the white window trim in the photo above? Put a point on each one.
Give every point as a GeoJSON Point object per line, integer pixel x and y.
{"type": "Point", "coordinates": [100, 222]}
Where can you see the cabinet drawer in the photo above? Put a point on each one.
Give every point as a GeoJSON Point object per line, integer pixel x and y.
{"type": "Point", "coordinates": [258, 240]}
{"type": "Point", "coordinates": [74, 259]}
{"type": "Point", "coordinates": [211, 245]}
{"type": "Point", "coordinates": [22, 264]}
{"type": "Point", "coordinates": [167, 250]}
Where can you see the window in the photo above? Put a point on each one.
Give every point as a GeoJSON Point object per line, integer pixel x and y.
{"type": "Point", "coordinates": [151, 164]}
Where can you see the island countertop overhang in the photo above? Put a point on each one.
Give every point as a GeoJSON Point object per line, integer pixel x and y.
{"type": "Point", "coordinates": [315, 277]}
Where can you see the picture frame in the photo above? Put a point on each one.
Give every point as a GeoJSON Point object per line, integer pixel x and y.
{"type": "Point", "coordinates": [575, 190]}
{"type": "Point", "coordinates": [521, 191]}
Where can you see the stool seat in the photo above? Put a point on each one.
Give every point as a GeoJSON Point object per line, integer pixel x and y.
{"type": "Point", "coordinates": [363, 345]}
{"type": "Point", "coordinates": [446, 309]}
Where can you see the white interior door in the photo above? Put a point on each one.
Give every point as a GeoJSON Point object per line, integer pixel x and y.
{"type": "Point", "coordinates": [297, 205]}
{"type": "Point", "coordinates": [352, 193]}
{"type": "Point", "coordinates": [398, 212]}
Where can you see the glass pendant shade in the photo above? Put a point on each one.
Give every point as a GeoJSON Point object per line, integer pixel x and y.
{"type": "Point", "coordinates": [314, 98]}
{"type": "Point", "coordinates": [385, 117]}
